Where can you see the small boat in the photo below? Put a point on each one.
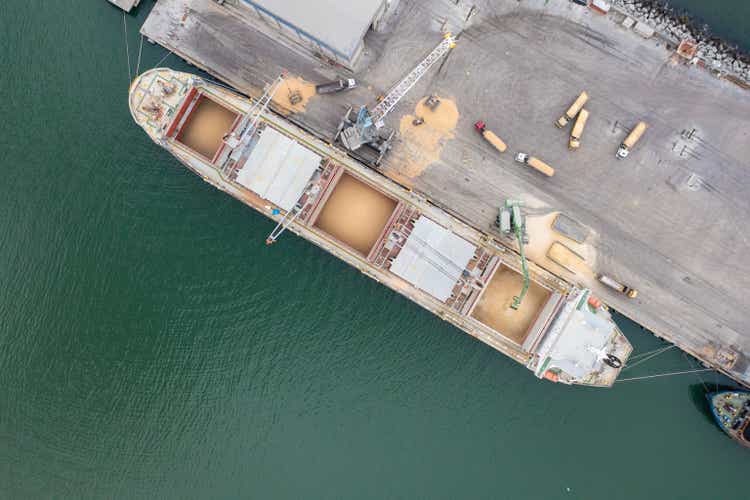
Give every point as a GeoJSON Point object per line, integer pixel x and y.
{"type": "Point", "coordinates": [731, 410]}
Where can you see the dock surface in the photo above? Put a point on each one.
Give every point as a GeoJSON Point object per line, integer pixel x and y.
{"type": "Point", "coordinates": [672, 220]}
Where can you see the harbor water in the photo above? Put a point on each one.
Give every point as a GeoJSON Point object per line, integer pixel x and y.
{"type": "Point", "coordinates": [151, 345]}
{"type": "Point", "coordinates": [728, 19]}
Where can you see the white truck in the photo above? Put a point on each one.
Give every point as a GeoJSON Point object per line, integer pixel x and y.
{"type": "Point", "coordinates": [616, 285]}
{"type": "Point", "coordinates": [633, 137]}
{"type": "Point", "coordinates": [535, 163]}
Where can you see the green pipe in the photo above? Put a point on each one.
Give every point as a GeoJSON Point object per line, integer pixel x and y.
{"type": "Point", "coordinates": [518, 298]}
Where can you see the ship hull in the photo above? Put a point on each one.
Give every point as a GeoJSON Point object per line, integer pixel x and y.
{"type": "Point", "coordinates": [220, 136]}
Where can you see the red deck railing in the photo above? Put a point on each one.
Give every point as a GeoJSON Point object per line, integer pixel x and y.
{"type": "Point", "coordinates": [178, 117]}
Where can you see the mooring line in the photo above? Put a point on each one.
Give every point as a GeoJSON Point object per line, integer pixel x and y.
{"type": "Point", "coordinates": [636, 356]}
{"type": "Point", "coordinates": [665, 349]}
{"type": "Point", "coordinates": [664, 375]}
{"type": "Point", "coordinates": [140, 49]}
{"type": "Point", "coordinates": [163, 59]}
{"type": "Point", "coordinates": [127, 49]}
{"type": "Point", "coordinates": [699, 377]}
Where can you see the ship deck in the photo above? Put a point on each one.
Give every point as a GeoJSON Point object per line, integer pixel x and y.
{"type": "Point", "coordinates": [664, 221]}
{"type": "Point", "coordinates": [126, 5]}
{"type": "Point", "coordinates": [732, 412]}
{"type": "Point", "coordinates": [389, 233]}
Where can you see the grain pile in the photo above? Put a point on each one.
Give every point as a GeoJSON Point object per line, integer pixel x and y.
{"type": "Point", "coordinates": [206, 126]}
{"type": "Point", "coordinates": [355, 214]}
{"type": "Point", "coordinates": [541, 237]}
{"type": "Point", "coordinates": [289, 86]}
{"type": "Point", "coordinates": [493, 308]}
{"type": "Point", "coordinates": [421, 145]}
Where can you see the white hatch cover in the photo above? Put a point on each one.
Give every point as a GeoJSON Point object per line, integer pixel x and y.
{"type": "Point", "coordinates": [278, 169]}
{"type": "Point", "coordinates": [433, 258]}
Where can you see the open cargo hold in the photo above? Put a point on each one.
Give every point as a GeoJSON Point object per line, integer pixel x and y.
{"type": "Point", "coordinates": [205, 126]}
{"type": "Point", "coordinates": [355, 214]}
{"type": "Point", "coordinates": [493, 308]}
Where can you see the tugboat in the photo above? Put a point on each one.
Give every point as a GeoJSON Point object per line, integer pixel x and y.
{"type": "Point", "coordinates": [731, 410]}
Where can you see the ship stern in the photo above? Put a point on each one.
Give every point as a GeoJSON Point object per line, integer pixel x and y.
{"type": "Point", "coordinates": [584, 346]}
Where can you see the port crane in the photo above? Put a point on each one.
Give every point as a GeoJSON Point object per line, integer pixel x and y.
{"type": "Point", "coordinates": [246, 128]}
{"type": "Point", "coordinates": [366, 129]}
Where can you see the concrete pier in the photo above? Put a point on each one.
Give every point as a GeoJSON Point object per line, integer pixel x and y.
{"type": "Point", "coordinates": [672, 220]}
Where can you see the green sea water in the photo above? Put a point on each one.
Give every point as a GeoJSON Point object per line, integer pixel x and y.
{"type": "Point", "coordinates": [726, 19]}
{"type": "Point", "coordinates": [151, 345]}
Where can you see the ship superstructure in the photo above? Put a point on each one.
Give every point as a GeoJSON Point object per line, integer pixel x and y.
{"type": "Point", "coordinates": [391, 234]}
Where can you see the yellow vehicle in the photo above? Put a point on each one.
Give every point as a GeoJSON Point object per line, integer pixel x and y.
{"type": "Point", "coordinates": [490, 136]}
{"type": "Point", "coordinates": [580, 124]}
{"type": "Point", "coordinates": [572, 110]}
{"type": "Point", "coordinates": [535, 163]}
{"type": "Point", "coordinates": [633, 137]}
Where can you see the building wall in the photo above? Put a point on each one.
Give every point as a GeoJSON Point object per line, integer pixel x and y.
{"type": "Point", "coordinates": [306, 40]}
{"type": "Point", "coordinates": [386, 7]}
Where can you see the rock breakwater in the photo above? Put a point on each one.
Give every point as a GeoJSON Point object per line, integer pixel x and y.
{"type": "Point", "coordinates": [715, 53]}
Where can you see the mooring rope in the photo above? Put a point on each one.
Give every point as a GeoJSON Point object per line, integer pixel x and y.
{"type": "Point", "coordinates": [127, 49]}
{"type": "Point", "coordinates": [699, 377]}
{"type": "Point", "coordinates": [163, 59]}
{"type": "Point", "coordinates": [664, 375]}
{"type": "Point", "coordinates": [636, 356]}
{"type": "Point", "coordinates": [140, 49]}
{"type": "Point", "coordinates": [664, 349]}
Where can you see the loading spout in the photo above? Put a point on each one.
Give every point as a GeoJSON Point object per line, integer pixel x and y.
{"type": "Point", "coordinates": [518, 225]}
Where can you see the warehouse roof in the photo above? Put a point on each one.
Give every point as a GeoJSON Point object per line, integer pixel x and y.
{"type": "Point", "coordinates": [338, 25]}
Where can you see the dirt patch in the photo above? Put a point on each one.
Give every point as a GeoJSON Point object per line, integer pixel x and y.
{"type": "Point", "coordinates": [293, 86]}
{"type": "Point", "coordinates": [493, 308]}
{"type": "Point", "coordinates": [355, 214]}
{"type": "Point", "coordinates": [206, 126]}
{"type": "Point", "coordinates": [421, 145]}
{"type": "Point", "coordinates": [542, 236]}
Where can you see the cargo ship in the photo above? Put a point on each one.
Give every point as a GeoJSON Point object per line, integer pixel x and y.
{"type": "Point", "coordinates": [393, 235]}
{"type": "Point", "coordinates": [731, 409]}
